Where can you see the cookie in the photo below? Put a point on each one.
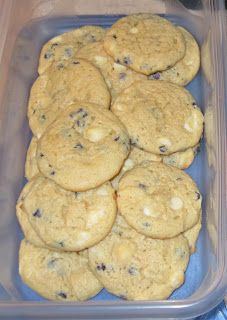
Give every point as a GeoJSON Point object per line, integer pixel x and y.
{"type": "Point", "coordinates": [63, 276]}
{"type": "Point", "coordinates": [70, 221]}
{"type": "Point", "coordinates": [185, 69]}
{"type": "Point", "coordinates": [135, 157]}
{"type": "Point", "coordinates": [60, 85]}
{"type": "Point", "coordinates": [135, 267]}
{"type": "Point", "coordinates": [181, 159]}
{"type": "Point", "coordinates": [64, 46]}
{"type": "Point", "coordinates": [161, 117]}
{"type": "Point", "coordinates": [117, 76]}
{"type": "Point", "coordinates": [192, 235]}
{"type": "Point", "coordinates": [85, 147]}
{"type": "Point", "coordinates": [159, 201]}
{"type": "Point", "coordinates": [31, 168]}
{"type": "Point", "coordinates": [29, 233]}
{"type": "Point", "coordinates": [145, 43]}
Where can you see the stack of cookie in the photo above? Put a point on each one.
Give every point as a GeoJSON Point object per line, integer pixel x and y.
{"type": "Point", "coordinates": [106, 203]}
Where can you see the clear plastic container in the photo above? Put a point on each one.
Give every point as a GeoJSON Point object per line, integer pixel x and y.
{"type": "Point", "coordinates": [28, 25]}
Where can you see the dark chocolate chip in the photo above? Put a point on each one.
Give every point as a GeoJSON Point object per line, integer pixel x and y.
{"type": "Point", "coordinates": [194, 103]}
{"type": "Point", "coordinates": [41, 155]}
{"type": "Point", "coordinates": [60, 66]}
{"type": "Point", "coordinates": [132, 271]}
{"type": "Point", "coordinates": [49, 165]}
{"type": "Point", "coordinates": [61, 243]}
{"type": "Point", "coordinates": [142, 186]}
{"type": "Point", "coordinates": [155, 76]}
{"type": "Point", "coordinates": [114, 36]}
{"type": "Point", "coordinates": [118, 61]}
{"type": "Point", "coordinates": [179, 178]}
{"type": "Point", "coordinates": [132, 142]}
{"type": "Point", "coordinates": [43, 117]}
{"type": "Point", "coordinates": [52, 173]}
{"type": "Point", "coordinates": [37, 214]}
{"type": "Point", "coordinates": [78, 146]}
{"type": "Point", "coordinates": [54, 45]}
{"type": "Point", "coordinates": [198, 195]}
{"type": "Point", "coordinates": [117, 138]}
{"type": "Point", "coordinates": [146, 224]}
{"type": "Point", "coordinates": [76, 62]}
{"type": "Point", "coordinates": [101, 267]}
{"type": "Point", "coordinates": [62, 295]}
{"type": "Point", "coordinates": [76, 194]}
{"type": "Point", "coordinates": [178, 74]}
{"type": "Point", "coordinates": [47, 55]}
{"type": "Point", "coordinates": [122, 75]}
{"type": "Point", "coordinates": [51, 263]}
{"type": "Point", "coordinates": [80, 123]}
{"type": "Point", "coordinates": [34, 111]}
{"type": "Point", "coordinates": [68, 52]}
{"type": "Point", "coordinates": [163, 148]}
{"type": "Point", "coordinates": [127, 60]}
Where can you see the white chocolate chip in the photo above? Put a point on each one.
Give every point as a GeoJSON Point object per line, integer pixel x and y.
{"type": "Point", "coordinates": [147, 211]}
{"type": "Point", "coordinates": [94, 217]}
{"type": "Point", "coordinates": [129, 164]}
{"type": "Point", "coordinates": [176, 203]}
{"type": "Point", "coordinates": [119, 67]}
{"type": "Point", "coordinates": [134, 30]}
{"type": "Point", "coordinates": [100, 59]}
{"type": "Point", "coordinates": [177, 279]}
{"type": "Point", "coordinates": [102, 191]}
{"type": "Point", "coordinates": [96, 133]}
{"type": "Point", "coordinates": [191, 124]}
{"type": "Point", "coordinates": [150, 212]}
{"type": "Point", "coordinates": [83, 236]}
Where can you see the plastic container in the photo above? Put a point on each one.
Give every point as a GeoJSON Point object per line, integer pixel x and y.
{"type": "Point", "coordinates": [28, 26]}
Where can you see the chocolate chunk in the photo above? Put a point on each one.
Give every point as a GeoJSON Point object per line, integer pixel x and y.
{"type": "Point", "coordinates": [179, 178]}
{"type": "Point", "coordinates": [163, 148]}
{"type": "Point", "coordinates": [117, 138]}
{"type": "Point", "coordinates": [34, 111]}
{"type": "Point", "coordinates": [37, 214]}
{"type": "Point", "coordinates": [101, 267]}
{"type": "Point", "coordinates": [118, 61]}
{"type": "Point", "coordinates": [132, 270]}
{"type": "Point", "coordinates": [76, 62]}
{"type": "Point", "coordinates": [114, 36]}
{"type": "Point", "coordinates": [198, 195]}
{"type": "Point", "coordinates": [122, 75]}
{"type": "Point", "coordinates": [78, 146]}
{"type": "Point", "coordinates": [43, 117]}
{"type": "Point", "coordinates": [52, 173]}
{"type": "Point", "coordinates": [127, 60]}
{"type": "Point", "coordinates": [142, 186]}
{"type": "Point", "coordinates": [41, 155]}
{"type": "Point", "coordinates": [62, 295]}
